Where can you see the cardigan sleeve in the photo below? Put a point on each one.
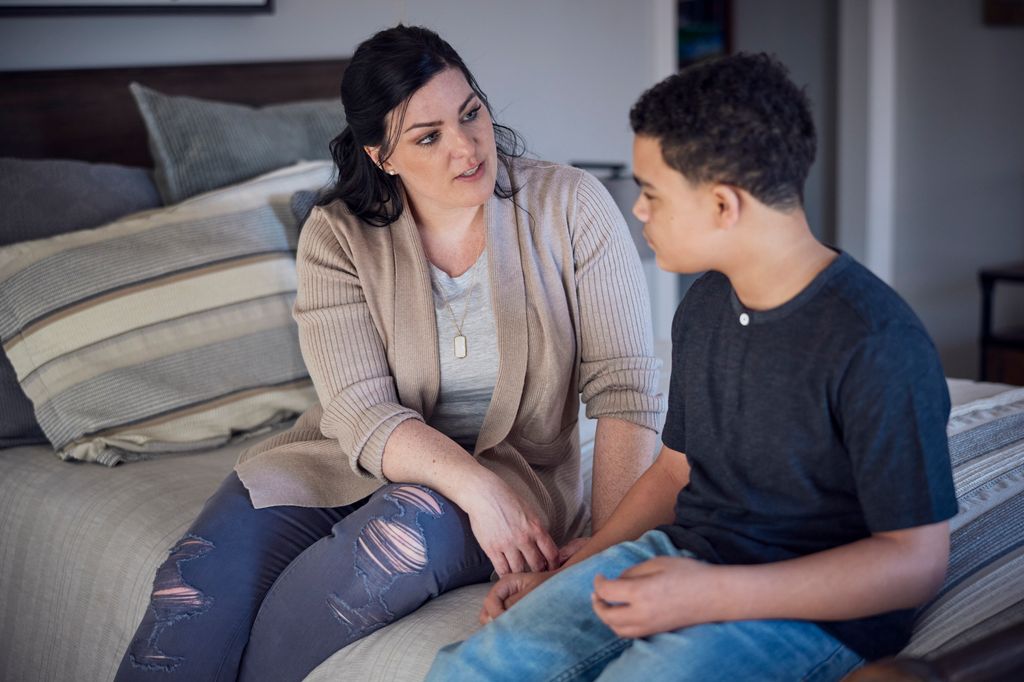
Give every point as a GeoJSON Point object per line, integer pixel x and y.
{"type": "Point", "coordinates": [619, 371]}
{"type": "Point", "coordinates": [343, 351]}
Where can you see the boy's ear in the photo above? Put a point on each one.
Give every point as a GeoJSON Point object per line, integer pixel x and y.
{"type": "Point", "coordinates": [728, 205]}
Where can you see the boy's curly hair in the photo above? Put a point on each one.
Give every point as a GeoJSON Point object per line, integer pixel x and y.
{"type": "Point", "coordinates": [738, 120]}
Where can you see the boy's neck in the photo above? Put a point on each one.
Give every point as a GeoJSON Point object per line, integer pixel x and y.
{"type": "Point", "coordinates": [778, 258]}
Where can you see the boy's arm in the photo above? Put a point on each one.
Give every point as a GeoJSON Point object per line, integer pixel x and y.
{"type": "Point", "coordinates": [887, 571]}
{"type": "Point", "coordinates": [649, 503]}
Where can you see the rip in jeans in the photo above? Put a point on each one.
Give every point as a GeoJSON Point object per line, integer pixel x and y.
{"type": "Point", "coordinates": [386, 549]}
{"type": "Point", "coordinates": [173, 600]}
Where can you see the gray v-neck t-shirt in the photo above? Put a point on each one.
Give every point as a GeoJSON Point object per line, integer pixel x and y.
{"type": "Point", "coordinates": [466, 383]}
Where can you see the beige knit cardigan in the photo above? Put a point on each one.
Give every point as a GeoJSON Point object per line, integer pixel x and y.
{"type": "Point", "coordinates": [572, 317]}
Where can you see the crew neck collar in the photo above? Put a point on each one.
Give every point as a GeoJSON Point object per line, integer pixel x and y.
{"type": "Point", "coordinates": [748, 317]}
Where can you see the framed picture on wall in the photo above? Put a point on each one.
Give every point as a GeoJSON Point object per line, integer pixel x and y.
{"type": "Point", "coordinates": [1004, 12]}
{"type": "Point", "coordinates": [705, 30]}
{"type": "Point", "coordinates": [42, 7]}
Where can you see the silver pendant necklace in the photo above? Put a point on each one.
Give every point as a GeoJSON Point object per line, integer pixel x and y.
{"type": "Point", "coordinates": [459, 343]}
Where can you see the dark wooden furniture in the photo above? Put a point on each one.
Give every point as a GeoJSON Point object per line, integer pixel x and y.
{"type": "Point", "coordinates": [89, 114]}
{"type": "Point", "coordinates": [1004, 12]}
{"type": "Point", "coordinates": [1002, 353]}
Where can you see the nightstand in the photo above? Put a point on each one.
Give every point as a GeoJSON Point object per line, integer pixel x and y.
{"type": "Point", "coordinates": [1002, 353]}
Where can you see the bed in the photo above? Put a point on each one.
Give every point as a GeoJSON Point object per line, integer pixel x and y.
{"type": "Point", "coordinates": [86, 519]}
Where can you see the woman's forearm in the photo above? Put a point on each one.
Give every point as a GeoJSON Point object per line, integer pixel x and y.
{"type": "Point", "coordinates": [623, 451]}
{"type": "Point", "coordinates": [509, 530]}
{"type": "Point", "coordinates": [417, 453]}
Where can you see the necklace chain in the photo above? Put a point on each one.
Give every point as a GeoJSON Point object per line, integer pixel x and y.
{"type": "Point", "coordinates": [460, 351]}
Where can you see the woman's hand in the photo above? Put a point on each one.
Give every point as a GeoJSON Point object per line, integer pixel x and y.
{"type": "Point", "coordinates": [508, 530]}
{"type": "Point", "coordinates": [507, 591]}
{"type": "Point", "coordinates": [570, 548]}
{"type": "Point", "coordinates": [514, 586]}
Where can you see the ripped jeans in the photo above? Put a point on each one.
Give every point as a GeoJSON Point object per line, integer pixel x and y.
{"type": "Point", "coordinates": [269, 594]}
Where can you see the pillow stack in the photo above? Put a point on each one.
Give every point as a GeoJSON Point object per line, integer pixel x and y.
{"type": "Point", "coordinates": [42, 198]}
{"type": "Point", "coordinates": [164, 331]}
{"type": "Point", "coordinates": [119, 325]}
{"type": "Point", "coordinates": [985, 581]}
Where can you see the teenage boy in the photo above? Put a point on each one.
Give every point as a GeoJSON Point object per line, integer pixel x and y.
{"type": "Point", "coordinates": [799, 503]}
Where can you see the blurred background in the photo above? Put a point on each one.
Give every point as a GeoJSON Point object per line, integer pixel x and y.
{"type": "Point", "coordinates": [919, 106]}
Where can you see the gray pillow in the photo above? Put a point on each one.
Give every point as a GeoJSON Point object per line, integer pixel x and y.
{"type": "Point", "coordinates": [42, 198]}
{"type": "Point", "coordinates": [18, 425]}
{"type": "Point", "coordinates": [199, 145]}
{"type": "Point", "coordinates": [302, 204]}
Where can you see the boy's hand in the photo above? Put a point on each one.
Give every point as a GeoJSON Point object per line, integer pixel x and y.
{"type": "Point", "coordinates": [659, 595]}
{"type": "Point", "coordinates": [507, 591]}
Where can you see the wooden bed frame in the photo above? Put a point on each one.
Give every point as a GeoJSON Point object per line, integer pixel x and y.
{"type": "Point", "coordinates": [89, 114]}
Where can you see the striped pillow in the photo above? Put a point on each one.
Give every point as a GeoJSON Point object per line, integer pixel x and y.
{"type": "Point", "coordinates": [984, 588]}
{"type": "Point", "coordinates": [168, 330]}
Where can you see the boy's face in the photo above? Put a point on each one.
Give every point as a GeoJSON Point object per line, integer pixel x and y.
{"type": "Point", "coordinates": [678, 217]}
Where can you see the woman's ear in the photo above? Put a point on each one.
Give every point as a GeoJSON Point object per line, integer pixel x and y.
{"type": "Point", "coordinates": [374, 154]}
{"type": "Point", "coordinates": [728, 204]}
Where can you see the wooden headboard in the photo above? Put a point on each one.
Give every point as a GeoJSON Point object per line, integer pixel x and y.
{"type": "Point", "coordinates": [90, 115]}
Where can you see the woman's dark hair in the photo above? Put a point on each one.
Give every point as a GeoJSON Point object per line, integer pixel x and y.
{"type": "Point", "coordinates": [738, 120]}
{"type": "Point", "coordinates": [383, 74]}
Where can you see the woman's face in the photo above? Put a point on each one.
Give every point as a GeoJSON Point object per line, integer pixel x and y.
{"type": "Point", "coordinates": [444, 152]}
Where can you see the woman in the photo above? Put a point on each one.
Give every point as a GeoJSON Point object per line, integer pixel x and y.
{"type": "Point", "coordinates": [454, 300]}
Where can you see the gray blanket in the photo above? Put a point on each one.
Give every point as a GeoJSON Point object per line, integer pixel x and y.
{"type": "Point", "coordinates": [79, 544]}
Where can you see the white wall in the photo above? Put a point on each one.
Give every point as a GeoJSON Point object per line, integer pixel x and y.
{"type": "Point", "coordinates": [959, 167]}
{"type": "Point", "coordinates": [801, 33]}
{"type": "Point", "coordinates": [956, 108]}
{"type": "Point", "coordinates": [927, 157]}
{"type": "Point", "coordinates": [866, 125]}
{"type": "Point", "coordinates": [564, 72]}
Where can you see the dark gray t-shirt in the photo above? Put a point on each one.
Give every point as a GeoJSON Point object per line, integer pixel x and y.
{"type": "Point", "coordinates": [806, 427]}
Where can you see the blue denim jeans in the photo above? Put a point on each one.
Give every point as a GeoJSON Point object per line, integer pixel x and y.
{"type": "Point", "coordinates": [268, 594]}
{"type": "Point", "coordinates": [554, 634]}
